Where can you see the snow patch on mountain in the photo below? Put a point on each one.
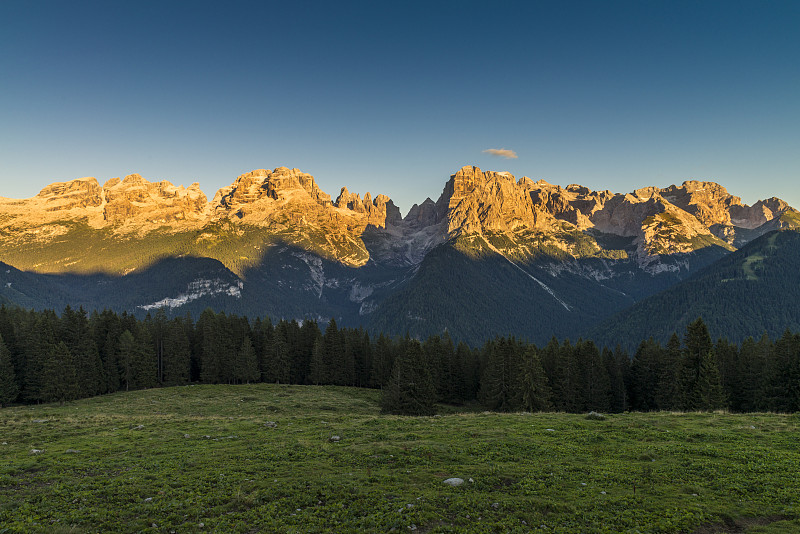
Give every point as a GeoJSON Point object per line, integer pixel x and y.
{"type": "Point", "coordinates": [197, 289]}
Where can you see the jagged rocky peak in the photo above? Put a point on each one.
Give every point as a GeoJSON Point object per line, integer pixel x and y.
{"type": "Point", "coordinates": [645, 193]}
{"type": "Point", "coordinates": [379, 212]}
{"type": "Point", "coordinates": [711, 203]}
{"type": "Point", "coordinates": [284, 179]}
{"type": "Point", "coordinates": [526, 182]}
{"type": "Point", "coordinates": [351, 201]}
{"type": "Point", "coordinates": [759, 213]}
{"type": "Point", "coordinates": [280, 184]}
{"type": "Point", "coordinates": [480, 201]}
{"type": "Point", "coordinates": [422, 215]}
{"type": "Point", "coordinates": [80, 193]}
{"type": "Point", "coordinates": [392, 212]}
{"type": "Point", "coordinates": [495, 201]}
{"type": "Point", "coordinates": [470, 177]}
{"type": "Point", "coordinates": [136, 198]}
{"type": "Point", "coordinates": [708, 201]}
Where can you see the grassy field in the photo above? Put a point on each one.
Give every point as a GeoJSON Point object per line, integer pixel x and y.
{"type": "Point", "coordinates": [267, 458]}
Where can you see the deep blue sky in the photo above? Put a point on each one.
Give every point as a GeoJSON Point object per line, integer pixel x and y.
{"type": "Point", "coordinates": [393, 97]}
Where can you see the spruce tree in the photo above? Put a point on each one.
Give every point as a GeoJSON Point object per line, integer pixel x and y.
{"type": "Point", "coordinates": [129, 356]}
{"type": "Point", "coordinates": [499, 377]}
{"type": "Point", "coordinates": [212, 347]}
{"type": "Point", "coordinates": [263, 333]}
{"type": "Point", "coordinates": [433, 351]}
{"type": "Point", "coordinates": [535, 390]}
{"type": "Point", "coordinates": [60, 375]}
{"type": "Point", "coordinates": [709, 392]}
{"type": "Point", "coordinates": [301, 364]}
{"type": "Point", "coordinates": [468, 363]}
{"type": "Point", "coordinates": [410, 391]}
{"type": "Point", "coordinates": [278, 365]}
{"type": "Point", "coordinates": [727, 356]}
{"type": "Point", "coordinates": [246, 363]}
{"type": "Point", "coordinates": [38, 343]}
{"type": "Point", "coordinates": [316, 373]}
{"type": "Point", "coordinates": [784, 366]}
{"type": "Point", "coordinates": [382, 360]}
{"type": "Point", "coordinates": [697, 344]}
{"type": "Point", "coordinates": [668, 386]}
{"type": "Point", "coordinates": [566, 380]}
{"type": "Point", "coordinates": [8, 384]}
{"type": "Point", "coordinates": [596, 392]}
{"type": "Point", "coordinates": [646, 369]}
{"type": "Point", "coordinates": [145, 365]}
{"type": "Point", "coordinates": [616, 364]}
{"type": "Point", "coordinates": [175, 354]}
{"type": "Point", "coordinates": [765, 352]}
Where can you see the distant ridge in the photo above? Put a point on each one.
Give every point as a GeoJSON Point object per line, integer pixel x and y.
{"type": "Point", "coordinates": [567, 257]}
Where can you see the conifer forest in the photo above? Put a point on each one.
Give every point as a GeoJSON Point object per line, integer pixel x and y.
{"type": "Point", "coordinates": [47, 357]}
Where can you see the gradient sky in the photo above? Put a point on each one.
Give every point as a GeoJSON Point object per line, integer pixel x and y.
{"type": "Point", "coordinates": [393, 97]}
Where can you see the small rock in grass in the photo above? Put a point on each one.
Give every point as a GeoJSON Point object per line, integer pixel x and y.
{"type": "Point", "coordinates": [201, 525]}
{"type": "Point", "coordinates": [583, 483]}
{"type": "Point", "coordinates": [594, 416]}
{"type": "Point", "coordinates": [38, 420]}
{"type": "Point", "coordinates": [752, 427]}
{"type": "Point", "coordinates": [495, 505]}
{"type": "Point", "coordinates": [602, 493]}
{"type": "Point", "coordinates": [471, 481]}
{"type": "Point", "coordinates": [186, 436]}
{"type": "Point", "coordinates": [334, 439]}
{"type": "Point", "coordinates": [137, 427]}
{"type": "Point", "coordinates": [149, 499]}
{"type": "Point", "coordinates": [550, 429]}
{"type": "Point", "coordinates": [71, 451]}
{"type": "Point", "coordinates": [454, 481]}
{"type": "Point", "coordinates": [37, 451]}
{"type": "Point", "coordinates": [5, 443]}
{"type": "Point", "coordinates": [270, 424]}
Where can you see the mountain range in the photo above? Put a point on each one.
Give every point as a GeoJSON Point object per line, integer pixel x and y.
{"type": "Point", "coordinates": [493, 255]}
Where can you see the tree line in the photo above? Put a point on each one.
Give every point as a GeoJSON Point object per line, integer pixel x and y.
{"type": "Point", "coordinates": [46, 357]}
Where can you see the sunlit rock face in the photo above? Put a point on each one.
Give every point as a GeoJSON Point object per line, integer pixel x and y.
{"type": "Point", "coordinates": [662, 222]}
{"type": "Point", "coordinates": [81, 193]}
{"type": "Point", "coordinates": [264, 207]}
{"type": "Point", "coordinates": [137, 201]}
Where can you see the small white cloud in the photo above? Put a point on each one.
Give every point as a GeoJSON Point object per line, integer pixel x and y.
{"type": "Point", "coordinates": [501, 152]}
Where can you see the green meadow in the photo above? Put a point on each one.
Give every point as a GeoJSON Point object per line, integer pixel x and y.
{"type": "Point", "coordinates": [275, 458]}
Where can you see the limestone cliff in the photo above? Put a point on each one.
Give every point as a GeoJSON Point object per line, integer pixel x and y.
{"type": "Point", "coordinates": [523, 217]}
{"type": "Point", "coordinates": [676, 219]}
{"type": "Point", "coordinates": [138, 203]}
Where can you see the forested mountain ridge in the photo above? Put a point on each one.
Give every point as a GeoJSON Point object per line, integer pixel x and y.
{"type": "Point", "coordinates": [755, 290]}
{"type": "Point", "coordinates": [273, 243]}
